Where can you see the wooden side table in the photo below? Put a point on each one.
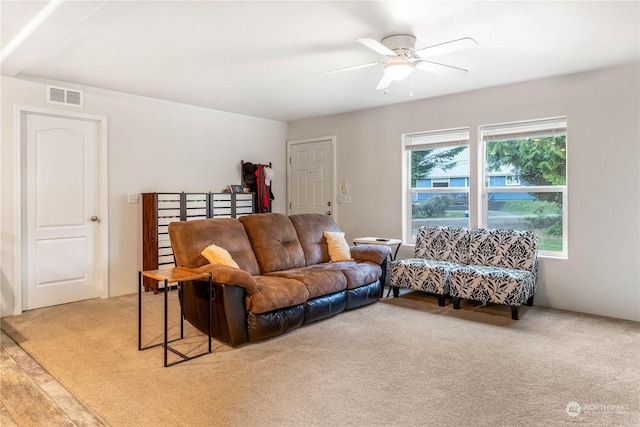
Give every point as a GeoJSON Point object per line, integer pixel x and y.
{"type": "Point", "coordinates": [381, 241]}
{"type": "Point", "coordinates": [172, 275]}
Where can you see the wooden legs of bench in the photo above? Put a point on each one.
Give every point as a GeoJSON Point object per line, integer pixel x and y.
{"type": "Point", "coordinates": [396, 294]}
{"type": "Point", "coordinates": [456, 303]}
{"type": "Point", "coordinates": [515, 310]}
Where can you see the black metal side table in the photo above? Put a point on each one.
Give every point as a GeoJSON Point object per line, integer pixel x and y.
{"type": "Point", "coordinates": [172, 275]}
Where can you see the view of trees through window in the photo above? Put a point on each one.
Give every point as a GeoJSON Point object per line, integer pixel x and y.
{"type": "Point", "coordinates": [524, 175]}
{"type": "Point", "coordinates": [540, 164]}
{"type": "Point", "coordinates": [440, 187]}
{"type": "Point", "coordinates": [425, 161]}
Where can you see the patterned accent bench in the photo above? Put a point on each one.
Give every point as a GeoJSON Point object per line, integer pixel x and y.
{"type": "Point", "coordinates": [496, 266]}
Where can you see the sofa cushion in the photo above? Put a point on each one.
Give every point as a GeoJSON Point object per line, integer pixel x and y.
{"type": "Point", "coordinates": [498, 285]}
{"type": "Point", "coordinates": [318, 279]}
{"type": "Point", "coordinates": [189, 238]}
{"type": "Point", "coordinates": [503, 248]}
{"type": "Point", "coordinates": [274, 293]}
{"type": "Point", "coordinates": [274, 241]}
{"type": "Point", "coordinates": [310, 229]}
{"type": "Point", "coordinates": [338, 246]}
{"type": "Point", "coordinates": [217, 255]}
{"type": "Point", "coordinates": [359, 273]}
{"type": "Point", "coordinates": [443, 244]}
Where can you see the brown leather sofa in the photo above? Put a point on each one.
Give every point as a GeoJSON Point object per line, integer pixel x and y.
{"type": "Point", "coordinates": [285, 277]}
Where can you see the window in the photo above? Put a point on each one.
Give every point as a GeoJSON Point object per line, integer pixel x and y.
{"type": "Point", "coordinates": [436, 167]}
{"type": "Point", "coordinates": [521, 180]}
{"type": "Point", "coordinates": [525, 180]}
{"type": "Point", "coordinates": [512, 180]}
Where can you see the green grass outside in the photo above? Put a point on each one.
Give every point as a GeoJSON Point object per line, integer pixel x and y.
{"type": "Point", "coordinates": [447, 214]}
{"type": "Point", "coordinates": [528, 207]}
{"type": "Point", "coordinates": [550, 243]}
{"type": "Point", "coordinates": [517, 207]}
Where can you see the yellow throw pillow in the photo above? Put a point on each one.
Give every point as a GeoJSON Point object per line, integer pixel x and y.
{"type": "Point", "coordinates": [338, 247]}
{"type": "Point", "coordinates": [217, 255]}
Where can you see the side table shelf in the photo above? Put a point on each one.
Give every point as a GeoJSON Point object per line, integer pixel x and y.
{"type": "Point", "coordinates": [172, 275]}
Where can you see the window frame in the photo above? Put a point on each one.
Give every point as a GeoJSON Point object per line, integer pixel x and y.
{"type": "Point", "coordinates": [515, 181]}
{"type": "Point", "coordinates": [446, 138]}
{"type": "Point", "coordinates": [525, 129]}
{"type": "Point", "coordinates": [477, 187]}
{"type": "Point", "coordinates": [446, 181]}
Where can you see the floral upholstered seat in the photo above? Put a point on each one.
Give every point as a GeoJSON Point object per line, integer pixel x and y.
{"type": "Point", "coordinates": [437, 251]}
{"type": "Point", "coordinates": [497, 266]}
{"type": "Point", "coordinates": [502, 269]}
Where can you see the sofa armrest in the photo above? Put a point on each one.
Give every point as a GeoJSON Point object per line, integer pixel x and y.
{"type": "Point", "coordinates": [377, 254]}
{"type": "Point", "coordinates": [229, 276]}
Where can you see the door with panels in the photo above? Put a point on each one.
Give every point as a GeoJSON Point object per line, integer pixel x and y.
{"type": "Point", "coordinates": [63, 213]}
{"type": "Point", "coordinates": [311, 176]}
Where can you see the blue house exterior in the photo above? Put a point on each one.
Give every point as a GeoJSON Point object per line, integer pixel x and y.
{"type": "Point", "coordinates": [458, 177]}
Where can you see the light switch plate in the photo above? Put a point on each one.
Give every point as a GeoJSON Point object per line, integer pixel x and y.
{"type": "Point", "coordinates": [133, 198]}
{"type": "Point", "coordinates": [347, 198]}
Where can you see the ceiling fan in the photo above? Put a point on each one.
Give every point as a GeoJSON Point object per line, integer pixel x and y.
{"type": "Point", "coordinates": [403, 57]}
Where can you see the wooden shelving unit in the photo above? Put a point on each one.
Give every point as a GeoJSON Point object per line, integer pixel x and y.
{"type": "Point", "coordinates": [161, 209]}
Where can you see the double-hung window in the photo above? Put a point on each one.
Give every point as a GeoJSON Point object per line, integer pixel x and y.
{"type": "Point", "coordinates": [436, 170]}
{"type": "Point", "coordinates": [525, 180]}
{"type": "Point", "coordinates": [520, 181]}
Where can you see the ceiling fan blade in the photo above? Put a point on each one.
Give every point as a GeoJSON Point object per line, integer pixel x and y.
{"type": "Point", "coordinates": [377, 46]}
{"type": "Point", "coordinates": [434, 67]}
{"type": "Point", "coordinates": [352, 68]}
{"type": "Point", "coordinates": [385, 82]}
{"type": "Point", "coordinates": [447, 47]}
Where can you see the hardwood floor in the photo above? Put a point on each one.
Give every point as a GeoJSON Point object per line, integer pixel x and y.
{"type": "Point", "coordinates": [29, 396]}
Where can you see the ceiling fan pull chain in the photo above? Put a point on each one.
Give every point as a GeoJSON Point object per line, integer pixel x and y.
{"type": "Point", "coordinates": [411, 93]}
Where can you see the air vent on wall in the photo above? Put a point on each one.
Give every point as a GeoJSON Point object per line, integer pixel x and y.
{"type": "Point", "coordinates": [64, 96]}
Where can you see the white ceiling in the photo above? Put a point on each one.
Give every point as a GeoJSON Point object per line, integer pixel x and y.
{"type": "Point", "coordinates": [265, 58]}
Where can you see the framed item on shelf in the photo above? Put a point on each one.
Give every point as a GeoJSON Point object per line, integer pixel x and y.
{"type": "Point", "coordinates": [236, 188]}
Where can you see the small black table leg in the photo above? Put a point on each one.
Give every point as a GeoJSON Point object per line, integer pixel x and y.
{"type": "Point", "coordinates": [139, 310]}
{"type": "Point", "coordinates": [210, 309]}
{"type": "Point", "coordinates": [181, 317]}
{"type": "Point", "coordinates": [166, 297]}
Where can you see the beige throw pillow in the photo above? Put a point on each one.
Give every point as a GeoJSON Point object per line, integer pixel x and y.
{"type": "Point", "coordinates": [338, 247]}
{"type": "Point", "coordinates": [217, 255]}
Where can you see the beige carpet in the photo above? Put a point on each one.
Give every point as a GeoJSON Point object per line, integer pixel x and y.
{"type": "Point", "coordinates": [404, 362]}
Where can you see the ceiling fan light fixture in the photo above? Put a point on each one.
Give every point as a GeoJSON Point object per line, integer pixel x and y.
{"type": "Point", "coordinates": [398, 70]}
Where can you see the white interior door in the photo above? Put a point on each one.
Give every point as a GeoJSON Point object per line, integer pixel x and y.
{"type": "Point", "coordinates": [62, 207]}
{"type": "Point", "coordinates": [311, 176]}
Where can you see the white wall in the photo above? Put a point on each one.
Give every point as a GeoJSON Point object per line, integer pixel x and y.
{"type": "Point", "coordinates": [154, 145]}
{"type": "Point", "coordinates": [602, 274]}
